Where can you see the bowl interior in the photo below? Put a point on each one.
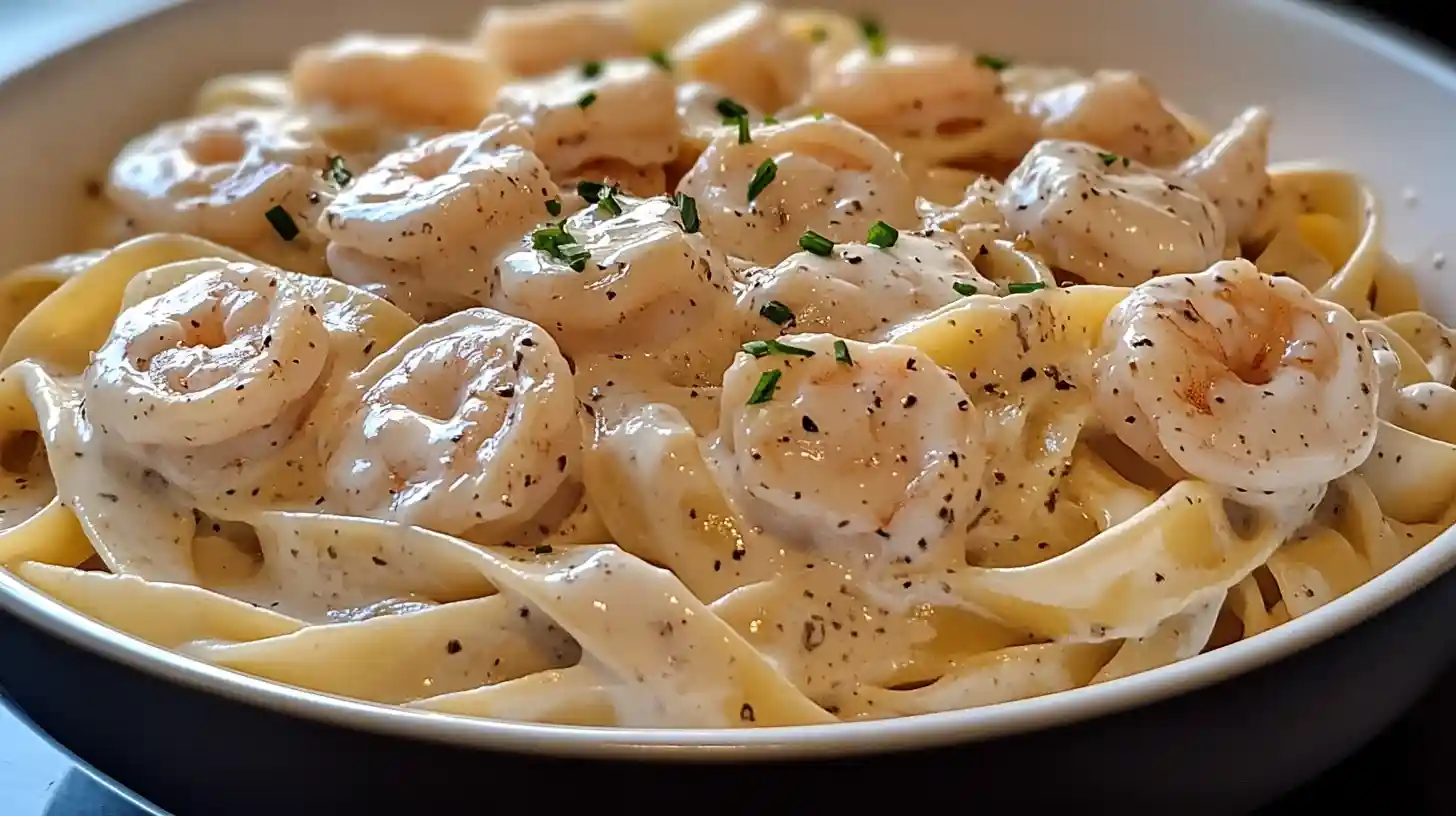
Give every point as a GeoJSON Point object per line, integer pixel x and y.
{"type": "Point", "coordinates": [1356, 98]}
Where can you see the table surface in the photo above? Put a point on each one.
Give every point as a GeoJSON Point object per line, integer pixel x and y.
{"type": "Point", "coordinates": [1404, 768]}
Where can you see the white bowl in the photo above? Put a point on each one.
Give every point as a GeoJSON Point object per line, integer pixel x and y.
{"type": "Point", "coordinates": [1341, 92]}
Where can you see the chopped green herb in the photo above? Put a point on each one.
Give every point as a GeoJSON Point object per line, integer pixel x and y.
{"type": "Point", "coordinates": [1108, 159]}
{"type": "Point", "coordinates": [659, 58]}
{"type": "Point", "coordinates": [744, 137]}
{"type": "Point", "coordinates": [812, 241]}
{"type": "Point", "coordinates": [1023, 288]}
{"type": "Point", "coordinates": [555, 241]}
{"type": "Point", "coordinates": [762, 178]}
{"type": "Point", "coordinates": [818, 34]}
{"type": "Point", "coordinates": [788, 350]}
{"type": "Point", "coordinates": [841, 352]}
{"type": "Point", "coordinates": [963, 289]}
{"type": "Point", "coordinates": [590, 191]}
{"type": "Point", "coordinates": [587, 100]}
{"type": "Point", "coordinates": [883, 235]}
{"type": "Point", "coordinates": [729, 109]}
{"type": "Point", "coordinates": [337, 172]}
{"type": "Point", "coordinates": [282, 223]}
{"type": "Point", "coordinates": [874, 35]}
{"type": "Point", "coordinates": [574, 254]}
{"type": "Point", "coordinates": [542, 549]}
{"type": "Point", "coordinates": [758, 348]}
{"type": "Point", "coordinates": [553, 206]}
{"type": "Point", "coordinates": [993, 62]}
{"type": "Point", "coordinates": [607, 202]}
{"type": "Point", "coordinates": [770, 120]}
{"type": "Point", "coordinates": [591, 69]}
{"type": "Point", "coordinates": [776, 312]}
{"type": "Point", "coordinates": [764, 391]}
{"type": "Point", "coordinates": [818, 115]}
{"type": "Point", "coordinates": [688, 206]}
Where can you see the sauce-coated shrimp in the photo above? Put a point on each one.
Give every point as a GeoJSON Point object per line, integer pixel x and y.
{"type": "Point", "coordinates": [974, 218]}
{"type": "Point", "coordinates": [219, 175]}
{"type": "Point", "coordinates": [409, 81]}
{"type": "Point", "coordinates": [626, 111]}
{"type": "Point", "coordinates": [748, 52]}
{"type": "Point", "coordinates": [931, 102]}
{"type": "Point", "coordinates": [1118, 111]}
{"type": "Point", "coordinates": [861, 291]}
{"type": "Point", "coordinates": [468, 420]}
{"type": "Point", "coordinates": [1233, 171]}
{"type": "Point", "coordinates": [1240, 379]}
{"type": "Point", "coordinates": [829, 177]}
{"type": "Point", "coordinates": [227, 352]}
{"type": "Point", "coordinates": [648, 285]}
{"type": "Point", "coordinates": [879, 458]}
{"type": "Point", "coordinates": [523, 41]}
{"type": "Point", "coordinates": [447, 205]}
{"type": "Point", "coordinates": [1108, 219]}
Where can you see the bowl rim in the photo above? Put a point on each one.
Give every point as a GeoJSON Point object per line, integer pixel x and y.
{"type": "Point", "coordinates": [1411, 52]}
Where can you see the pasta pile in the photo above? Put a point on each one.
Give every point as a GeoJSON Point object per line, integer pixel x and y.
{"type": "Point", "coordinates": [696, 364]}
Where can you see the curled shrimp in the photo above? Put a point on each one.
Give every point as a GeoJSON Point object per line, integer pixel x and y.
{"type": "Point", "coordinates": [648, 285]}
{"type": "Point", "coordinates": [525, 41]}
{"type": "Point", "coordinates": [869, 452]}
{"type": "Point", "coordinates": [220, 175]}
{"type": "Point", "coordinates": [446, 206]}
{"type": "Point", "coordinates": [467, 420]}
{"type": "Point", "coordinates": [829, 176]}
{"type": "Point", "coordinates": [626, 111]}
{"type": "Point", "coordinates": [748, 52]}
{"type": "Point", "coordinates": [406, 80]}
{"type": "Point", "coordinates": [863, 291]}
{"type": "Point", "coordinates": [226, 352]}
{"type": "Point", "coordinates": [1118, 111]}
{"type": "Point", "coordinates": [931, 102]}
{"type": "Point", "coordinates": [1233, 170]}
{"type": "Point", "coordinates": [1241, 379]}
{"type": "Point", "coordinates": [1107, 218]}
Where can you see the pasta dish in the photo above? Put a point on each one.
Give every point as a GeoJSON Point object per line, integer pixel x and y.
{"type": "Point", "coordinates": [679, 364]}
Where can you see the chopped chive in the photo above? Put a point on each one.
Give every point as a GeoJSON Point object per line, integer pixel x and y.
{"type": "Point", "coordinates": [818, 115]}
{"type": "Point", "coordinates": [546, 238]}
{"type": "Point", "coordinates": [883, 235]}
{"type": "Point", "coordinates": [818, 34]}
{"type": "Point", "coordinates": [1108, 159]}
{"type": "Point", "coordinates": [963, 289]}
{"type": "Point", "coordinates": [841, 352]}
{"type": "Point", "coordinates": [812, 241]}
{"type": "Point", "coordinates": [574, 254]}
{"type": "Point", "coordinates": [776, 312]}
{"type": "Point", "coordinates": [993, 62]}
{"type": "Point", "coordinates": [590, 191]}
{"type": "Point", "coordinates": [762, 177]}
{"type": "Point", "coordinates": [607, 202]}
{"type": "Point", "coordinates": [558, 243]}
{"type": "Point", "coordinates": [744, 137]}
{"type": "Point", "coordinates": [758, 348]}
{"type": "Point", "coordinates": [338, 173]}
{"type": "Point", "coordinates": [591, 69]}
{"type": "Point", "coordinates": [729, 109]}
{"type": "Point", "coordinates": [874, 35]}
{"type": "Point", "coordinates": [688, 206]}
{"type": "Point", "coordinates": [764, 391]}
{"type": "Point", "coordinates": [553, 206]}
{"type": "Point", "coordinates": [659, 58]}
{"type": "Point", "coordinates": [788, 350]}
{"type": "Point", "coordinates": [770, 120]}
{"type": "Point", "coordinates": [587, 100]}
{"type": "Point", "coordinates": [1023, 288]}
{"type": "Point", "coordinates": [282, 223]}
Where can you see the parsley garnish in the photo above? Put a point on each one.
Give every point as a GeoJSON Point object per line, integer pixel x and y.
{"type": "Point", "coordinates": [553, 206]}
{"type": "Point", "coordinates": [282, 223]}
{"type": "Point", "coordinates": [590, 191]}
{"type": "Point", "coordinates": [607, 202]}
{"type": "Point", "coordinates": [558, 243]}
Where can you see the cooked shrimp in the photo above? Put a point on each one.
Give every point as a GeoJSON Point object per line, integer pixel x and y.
{"type": "Point", "coordinates": [1240, 379]}
{"type": "Point", "coordinates": [829, 177]}
{"type": "Point", "coordinates": [523, 41]}
{"type": "Point", "coordinates": [1119, 112]}
{"type": "Point", "coordinates": [648, 285]}
{"type": "Point", "coordinates": [932, 102]}
{"type": "Point", "coordinates": [446, 206]}
{"type": "Point", "coordinates": [227, 352]}
{"type": "Point", "coordinates": [219, 176]}
{"type": "Point", "coordinates": [872, 453]}
{"type": "Point", "coordinates": [862, 291]}
{"type": "Point", "coordinates": [1108, 219]}
{"type": "Point", "coordinates": [467, 420]}
{"type": "Point", "coordinates": [748, 52]}
{"type": "Point", "coordinates": [410, 81]}
{"type": "Point", "coordinates": [974, 218]}
{"type": "Point", "coordinates": [1233, 171]}
{"type": "Point", "coordinates": [623, 110]}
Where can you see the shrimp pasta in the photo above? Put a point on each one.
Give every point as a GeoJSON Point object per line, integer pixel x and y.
{"type": "Point", "coordinates": [709, 365]}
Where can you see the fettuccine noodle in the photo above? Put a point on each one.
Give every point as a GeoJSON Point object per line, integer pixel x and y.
{"type": "Point", "coordinates": [690, 364]}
